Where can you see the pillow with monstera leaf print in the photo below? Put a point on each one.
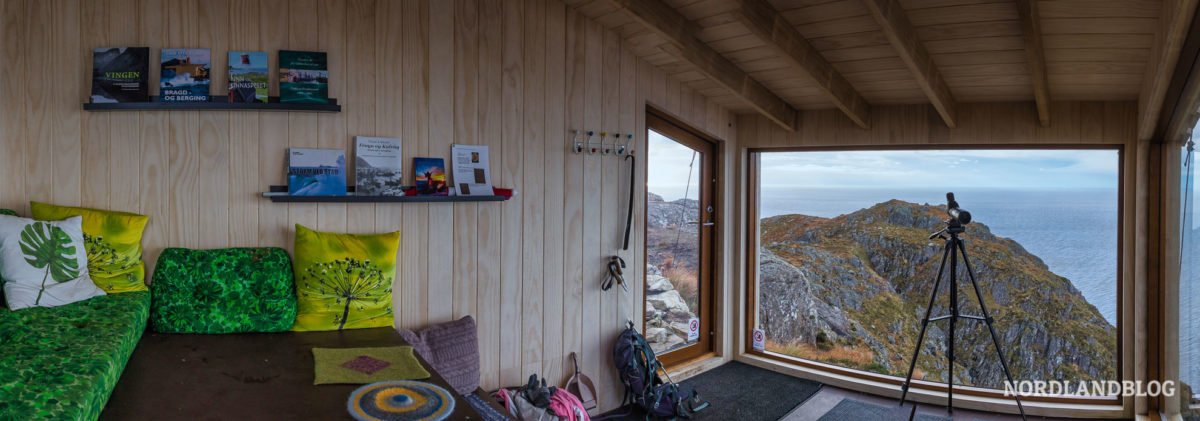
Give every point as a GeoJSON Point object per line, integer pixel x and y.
{"type": "Point", "coordinates": [113, 241]}
{"type": "Point", "coordinates": [344, 281]}
{"type": "Point", "coordinates": [43, 263]}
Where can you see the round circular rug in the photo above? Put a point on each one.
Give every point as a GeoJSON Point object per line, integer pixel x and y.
{"type": "Point", "coordinates": [400, 400]}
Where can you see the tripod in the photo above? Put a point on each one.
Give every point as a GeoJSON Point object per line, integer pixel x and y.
{"type": "Point", "coordinates": [954, 247]}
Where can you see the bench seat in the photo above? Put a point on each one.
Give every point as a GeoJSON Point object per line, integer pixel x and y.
{"type": "Point", "coordinates": [62, 363]}
{"type": "Point", "coordinates": [243, 376]}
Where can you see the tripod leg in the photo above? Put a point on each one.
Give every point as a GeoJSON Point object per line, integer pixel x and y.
{"type": "Point", "coordinates": [987, 318]}
{"type": "Point", "coordinates": [924, 322]}
{"type": "Point", "coordinates": [953, 245]}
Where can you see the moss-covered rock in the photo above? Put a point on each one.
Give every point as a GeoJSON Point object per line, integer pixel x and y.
{"type": "Point", "coordinates": [862, 282]}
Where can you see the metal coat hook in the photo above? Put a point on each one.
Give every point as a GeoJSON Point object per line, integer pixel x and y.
{"type": "Point", "coordinates": [578, 146]}
{"type": "Point", "coordinates": [604, 145]}
{"type": "Point", "coordinates": [617, 147]}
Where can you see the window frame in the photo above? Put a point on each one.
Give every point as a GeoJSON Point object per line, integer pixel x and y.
{"type": "Point", "coordinates": [750, 313]}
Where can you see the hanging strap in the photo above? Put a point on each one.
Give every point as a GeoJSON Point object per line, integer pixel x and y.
{"type": "Point", "coordinates": [616, 266]}
{"type": "Point", "coordinates": [632, 183]}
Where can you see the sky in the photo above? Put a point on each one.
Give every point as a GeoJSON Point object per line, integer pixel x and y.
{"type": "Point", "coordinates": [667, 168]}
{"type": "Point", "coordinates": [935, 169]}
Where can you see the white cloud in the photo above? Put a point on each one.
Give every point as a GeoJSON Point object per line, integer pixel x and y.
{"type": "Point", "coordinates": [1016, 169]}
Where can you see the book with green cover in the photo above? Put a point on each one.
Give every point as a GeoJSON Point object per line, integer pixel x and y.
{"type": "Point", "coordinates": [248, 77]}
{"type": "Point", "coordinates": [303, 77]}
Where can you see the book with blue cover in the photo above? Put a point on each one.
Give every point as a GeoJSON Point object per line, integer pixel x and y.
{"type": "Point", "coordinates": [316, 172]}
{"type": "Point", "coordinates": [430, 176]}
{"type": "Point", "coordinates": [185, 75]}
{"type": "Point", "coordinates": [248, 78]}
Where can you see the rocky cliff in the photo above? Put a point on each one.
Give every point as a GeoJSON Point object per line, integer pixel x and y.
{"type": "Point", "coordinates": [672, 268]}
{"type": "Point", "coordinates": [667, 312]}
{"type": "Point", "coordinates": [851, 290]}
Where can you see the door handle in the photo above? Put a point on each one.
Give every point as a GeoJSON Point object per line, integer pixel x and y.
{"type": "Point", "coordinates": [706, 224]}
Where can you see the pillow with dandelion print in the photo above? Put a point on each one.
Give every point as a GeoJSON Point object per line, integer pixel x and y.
{"type": "Point", "coordinates": [113, 241]}
{"type": "Point", "coordinates": [43, 263]}
{"type": "Point", "coordinates": [344, 281]}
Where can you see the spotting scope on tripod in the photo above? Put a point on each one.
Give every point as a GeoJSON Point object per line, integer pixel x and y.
{"type": "Point", "coordinates": [953, 251]}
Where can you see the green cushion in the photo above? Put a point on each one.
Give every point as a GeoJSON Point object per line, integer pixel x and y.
{"type": "Point", "coordinates": [8, 212]}
{"type": "Point", "coordinates": [62, 363]}
{"type": "Point", "coordinates": [344, 281]}
{"type": "Point", "coordinates": [113, 241]}
{"type": "Point", "coordinates": [223, 291]}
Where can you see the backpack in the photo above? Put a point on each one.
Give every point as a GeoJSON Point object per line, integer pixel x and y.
{"type": "Point", "coordinates": [536, 401]}
{"type": "Point", "coordinates": [638, 368]}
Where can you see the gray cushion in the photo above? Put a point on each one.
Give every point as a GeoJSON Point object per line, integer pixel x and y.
{"type": "Point", "coordinates": [452, 349]}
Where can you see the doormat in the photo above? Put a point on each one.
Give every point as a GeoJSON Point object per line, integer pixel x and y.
{"type": "Point", "coordinates": [737, 391]}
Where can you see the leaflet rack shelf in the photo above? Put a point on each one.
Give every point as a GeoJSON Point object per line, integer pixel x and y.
{"type": "Point", "coordinates": [274, 195]}
{"type": "Point", "coordinates": [215, 103]}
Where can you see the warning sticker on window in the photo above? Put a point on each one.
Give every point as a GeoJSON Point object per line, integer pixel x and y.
{"type": "Point", "coordinates": [693, 330]}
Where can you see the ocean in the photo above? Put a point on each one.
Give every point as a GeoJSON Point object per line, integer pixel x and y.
{"type": "Point", "coordinates": [1074, 232]}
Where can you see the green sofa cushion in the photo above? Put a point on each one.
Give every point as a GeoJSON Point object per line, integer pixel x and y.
{"type": "Point", "coordinates": [223, 291]}
{"type": "Point", "coordinates": [62, 363]}
{"type": "Point", "coordinates": [8, 212]}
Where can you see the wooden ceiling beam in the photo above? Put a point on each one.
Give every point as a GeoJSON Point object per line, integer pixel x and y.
{"type": "Point", "coordinates": [778, 34]}
{"type": "Point", "coordinates": [680, 34]}
{"type": "Point", "coordinates": [900, 33]}
{"type": "Point", "coordinates": [1031, 28]}
{"type": "Point", "coordinates": [1175, 20]}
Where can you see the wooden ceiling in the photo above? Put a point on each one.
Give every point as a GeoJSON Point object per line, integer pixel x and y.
{"type": "Point", "coordinates": [881, 52]}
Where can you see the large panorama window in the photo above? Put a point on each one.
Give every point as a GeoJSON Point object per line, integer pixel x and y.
{"type": "Point", "coordinates": [1189, 285]}
{"type": "Point", "coordinates": [845, 266]}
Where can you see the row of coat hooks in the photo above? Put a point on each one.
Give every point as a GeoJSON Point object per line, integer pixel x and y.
{"type": "Point", "coordinates": [582, 141]}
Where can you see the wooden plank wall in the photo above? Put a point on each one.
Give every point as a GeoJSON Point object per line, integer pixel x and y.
{"type": "Point", "coordinates": [998, 124]}
{"type": "Point", "coordinates": [515, 75]}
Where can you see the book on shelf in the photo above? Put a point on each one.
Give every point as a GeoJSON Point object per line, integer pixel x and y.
{"type": "Point", "coordinates": [472, 176]}
{"type": "Point", "coordinates": [121, 74]}
{"type": "Point", "coordinates": [248, 77]}
{"type": "Point", "coordinates": [430, 176]}
{"type": "Point", "coordinates": [185, 75]}
{"type": "Point", "coordinates": [303, 77]}
{"type": "Point", "coordinates": [378, 166]}
{"type": "Point", "coordinates": [316, 172]}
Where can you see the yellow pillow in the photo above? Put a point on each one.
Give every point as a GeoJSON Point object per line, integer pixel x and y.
{"type": "Point", "coordinates": [344, 281]}
{"type": "Point", "coordinates": [113, 241]}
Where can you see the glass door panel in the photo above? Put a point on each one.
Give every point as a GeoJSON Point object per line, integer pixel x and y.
{"type": "Point", "coordinates": [679, 227]}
